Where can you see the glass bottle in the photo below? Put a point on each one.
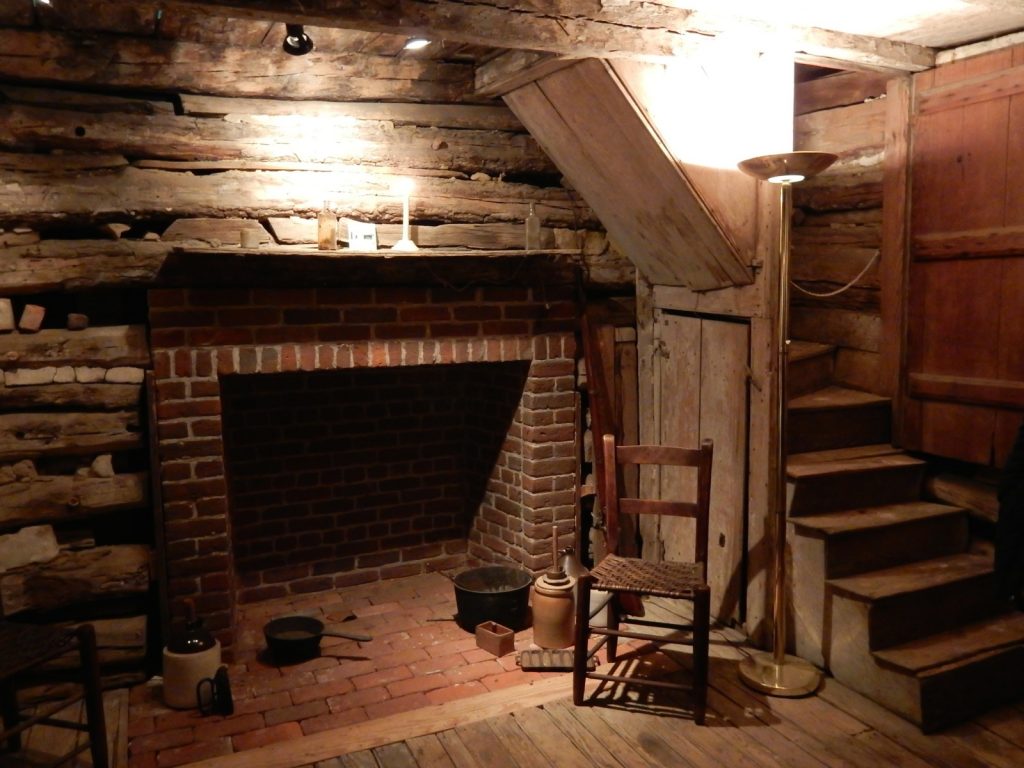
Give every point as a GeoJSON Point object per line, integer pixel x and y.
{"type": "Point", "coordinates": [326, 229]}
{"type": "Point", "coordinates": [532, 230]}
{"type": "Point", "coordinates": [195, 637]}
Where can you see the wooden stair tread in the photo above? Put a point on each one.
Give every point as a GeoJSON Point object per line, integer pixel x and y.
{"type": "Point", "coordinates": [841, 454]}
{"type": "Point", "coordinates": [849, 466]}
{"type": "Point", "coordinates": [955, 647]}
{"type": "Point", "coordinates": [864, 519]}
{"type": "Point", "coordinates": [835, 397]}
{"type": "Point", "coordinates": [912, 577]}
{"type": "Point", "coordinates": [802, 350]}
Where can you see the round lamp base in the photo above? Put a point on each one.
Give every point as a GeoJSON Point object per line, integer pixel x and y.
{"type": "Point", "coordinates": [792, 678]}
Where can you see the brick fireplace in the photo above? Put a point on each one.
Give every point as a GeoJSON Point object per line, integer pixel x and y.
{"type": "Point", "coordinates": [451, 414]}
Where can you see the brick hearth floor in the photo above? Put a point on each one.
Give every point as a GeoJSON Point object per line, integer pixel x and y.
{"type": "Point", "coordinates": [418, 657]}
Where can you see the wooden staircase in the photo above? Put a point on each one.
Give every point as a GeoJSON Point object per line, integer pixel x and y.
{"type": "Point", "coordinates": [888, 592]}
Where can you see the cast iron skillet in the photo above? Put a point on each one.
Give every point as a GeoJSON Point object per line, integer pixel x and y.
{"type": "Point", "coordinates": [292, 639]}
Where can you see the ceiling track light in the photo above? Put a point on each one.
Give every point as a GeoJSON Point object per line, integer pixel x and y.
{"type": "Point", "coordinates": [415, 43]}
{"type": "Point", "coordinates": [296, 41]}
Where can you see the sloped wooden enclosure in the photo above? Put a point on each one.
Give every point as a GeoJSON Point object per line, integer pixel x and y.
{"type": "Point", "coordinates": [587, 121]}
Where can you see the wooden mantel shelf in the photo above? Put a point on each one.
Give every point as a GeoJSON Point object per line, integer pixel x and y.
{"type": "Point", "coordinates": [302, 265]}
{"type": "Point", "coordinates": [383, 253]}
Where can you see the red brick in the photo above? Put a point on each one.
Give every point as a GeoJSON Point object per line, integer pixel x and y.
{"type": "Point", "coordinates": [140, 727]}
{"type": "Point", "coordinates": [321, 690]}
{"type": "Point", "coordinates": [163, 740]}
{"type": "Point", "coordinates": [296, 297]}
{"type": "Point", "coordinates": [417, 684]}
{"type": "Point", "coordinates": [183, 318]}
{"type": "Point", "coordinates": [345, 671]}
{"type": "Point", "coordinates": [264, 736]}
{"type": "Point", "coordinates": [333, 720]}
{"type": "Point", "coordinates": [362, 315]}
{"type": "Point", "coordinates": [165, 337]}
{"type": "Point", "coordinates": [424, 313]}
{"type": "Point", "coordinates": [394, 706]}
{"type": "Point", "coordinates": [262, 703]}
{"type": "Point", "coordinates": [507, 679]}
{"type": "Point", "coordinates": [468, 672]}
{"type": "Point", "coordinates": [228, 726]}
{"type": "Point", "coordinates": [218, 297]}
{"type": "Point", "coordinates": [166, 297]}
{"type": "Point", "coordinates": [142, 760]}
{"type": "Point", "coordinates": [193, 752]}
{"type": "Point", "coordinates": [296, 712]}
{"type": "Point", "coordinates": [248, 316]}
{"type": "Point", "coordinates": [447, 660]}
{"type": "Point", "coordinates": [381, 677]}
{"type": "Point", "coordinates": [453, 692]}
{"type": "Point", "coordinates": [357, 699]}
{"type": "Point", "coordinates": [476, 312]}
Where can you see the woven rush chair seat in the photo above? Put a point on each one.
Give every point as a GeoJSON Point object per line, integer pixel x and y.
{"type": "Point", "coordinates": [640, 577]}
{"type": "Point", "coordinates": [629, 579]}
{"type": "Point", "coordinates": [24, 648]}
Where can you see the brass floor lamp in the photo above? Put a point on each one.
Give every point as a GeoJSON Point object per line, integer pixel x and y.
{"type": "Point", "coordinates": [775, 672]}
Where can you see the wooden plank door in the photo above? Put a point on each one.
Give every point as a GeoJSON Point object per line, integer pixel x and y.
{"type": "Point", "coordinates": [701, 392]}
{"type": "Point", "coordinates": [965, 321]}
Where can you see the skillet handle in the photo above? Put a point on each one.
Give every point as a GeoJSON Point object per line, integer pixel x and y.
{"type": "Point", "coordinates": [348, 635]}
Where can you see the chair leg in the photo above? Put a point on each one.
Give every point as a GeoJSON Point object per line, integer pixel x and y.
{"type": "Point", "coordinates": [93, 692]}
{"type": "Point", "coordinates": [614, 613]}
{"type": "Point", "coordinates": [582, 632]}
{"type": "Point", "coordinates": [11, 714]}
{"type": "Point", "coordinates": [701, 649]}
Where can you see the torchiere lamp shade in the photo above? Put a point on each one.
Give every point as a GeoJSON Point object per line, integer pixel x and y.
{"type": "Point", "coordinates": [787, 166]}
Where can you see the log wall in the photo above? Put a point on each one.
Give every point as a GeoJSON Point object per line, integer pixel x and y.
{"type": "Point", "coordinates": [108, 167]}
{"type": "Point", "coordinates": [837, 227]}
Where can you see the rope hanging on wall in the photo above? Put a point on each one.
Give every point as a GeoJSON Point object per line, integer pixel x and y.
{"type": "Point", "coordinates": [846, 287]}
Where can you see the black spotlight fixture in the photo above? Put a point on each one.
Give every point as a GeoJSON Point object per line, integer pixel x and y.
{"type": "Point", "coordinates": [296, 41]}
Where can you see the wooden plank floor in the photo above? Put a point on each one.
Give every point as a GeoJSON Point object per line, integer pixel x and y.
{"type": "Point", "coordinates": [744, 730]}
{"type": "Point", "coordinates": [537, 726]}
{"type": "Point", "coordinates": [41, 744]}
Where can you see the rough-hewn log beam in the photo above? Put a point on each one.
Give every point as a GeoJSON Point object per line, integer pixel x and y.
{"type": "Point", "coordinates": [104, 397]}
{"type": "Point", "coordinates": [109, 60]}
{"type": "Point", "coordinates": [29, 435]}
{"type": "Point", "coordinates": [36, 199]}
{"type": "Point", "coordinates": [104, 346]}
{"type": "Point", "coordinates": [70, 265]}
{"type": "Point", "coordinates": [50, 498]}
{"type": "Point", "coordinates": [265, 137]}
{"type": "Point", "coordinates": [649, 31]}
{"type": "Point", "coordinates": [482, 117]}
{"type": "Point", "coordinates": [77, 577]}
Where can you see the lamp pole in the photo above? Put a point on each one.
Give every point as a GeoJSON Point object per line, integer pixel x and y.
{"type": "Point", "coordinates": [777, 673]}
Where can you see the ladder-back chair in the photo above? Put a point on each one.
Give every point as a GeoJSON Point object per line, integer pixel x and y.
{"type": "Point", "coordinates": [622, 576]}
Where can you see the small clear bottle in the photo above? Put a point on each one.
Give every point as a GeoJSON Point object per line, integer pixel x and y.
{"type": "Point", "coordinates": [326, 229]}
{"type": "Point", "coordinates": [532, 230]}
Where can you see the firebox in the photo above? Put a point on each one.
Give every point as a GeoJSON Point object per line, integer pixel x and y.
{"type": "Point", "coordinates": [315, 438]}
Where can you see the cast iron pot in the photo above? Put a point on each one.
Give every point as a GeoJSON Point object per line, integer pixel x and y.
{"type": "Point", "coordinates": [292, 639]}
{"type": "Point", "coordinates": [497, 593]}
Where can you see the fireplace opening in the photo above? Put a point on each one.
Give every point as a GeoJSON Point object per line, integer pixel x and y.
{"type": "Point", "coordinates": [348, 476]}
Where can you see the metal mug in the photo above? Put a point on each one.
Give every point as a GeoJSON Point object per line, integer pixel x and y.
{"type": "Point", "coordinates": [213, 694]}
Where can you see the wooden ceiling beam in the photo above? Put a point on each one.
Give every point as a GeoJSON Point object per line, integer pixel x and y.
{"type": "Point", "coordinates": [123, 62]}
{"type": "Point", "coordinates": [644, 31]}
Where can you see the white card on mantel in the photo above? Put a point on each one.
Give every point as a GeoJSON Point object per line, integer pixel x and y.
{"type": "Point", "coordinates": [361, 235]}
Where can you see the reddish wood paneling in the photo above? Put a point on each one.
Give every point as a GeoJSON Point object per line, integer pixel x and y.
{"type": "Point", "coordinates": [965, 363]}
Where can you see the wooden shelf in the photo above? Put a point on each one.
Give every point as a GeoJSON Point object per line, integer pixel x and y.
{"type": "Point", "coordinates": [383, 253]}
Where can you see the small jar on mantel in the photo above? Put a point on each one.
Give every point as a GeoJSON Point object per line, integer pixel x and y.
{"type": "Point", "coordinates": [326, 229]}
{"type": "Point", "coordinates": [532, 230]}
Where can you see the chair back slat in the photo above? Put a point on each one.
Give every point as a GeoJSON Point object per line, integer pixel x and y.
{"type": "Point", "coordinates": [669, 455]}
{"type": "Point", "coordinates": [615, 456]}
{"type": "Point", "coordinates": [658, 507]}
